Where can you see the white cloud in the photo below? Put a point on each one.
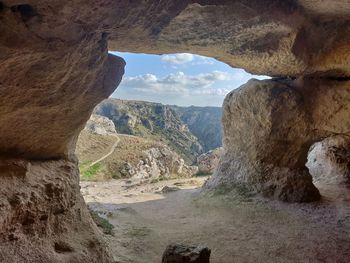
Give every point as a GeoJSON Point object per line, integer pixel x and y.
{"type": "Point", "coordinates": [181, 89]}
{"type": "Point", "coordinates": [178, 84]}
{"type": "Point", "coordinates": [201, 60]}
{"type": "Point", "coordinates": [177, 59]}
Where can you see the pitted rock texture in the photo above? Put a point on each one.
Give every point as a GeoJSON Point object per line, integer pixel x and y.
{"type": "Point", "coordinates": [208, 162]}
{"type": "Point", "coordinates": [269, 127]}
{"type": "Point", "coordinates": [55, 67]}
{"type": "Point", "coordinates": [43, 216]}
{"type": "Point", "coordinates": [329, 160]}
{"type": "Point", "coordinates": [272, 37]}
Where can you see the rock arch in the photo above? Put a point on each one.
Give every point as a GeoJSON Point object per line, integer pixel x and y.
{"type": "Point", "coordinates": [54, 68]}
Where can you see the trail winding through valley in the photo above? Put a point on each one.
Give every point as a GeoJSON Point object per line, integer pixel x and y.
{"type": "Point", "coordinates": [109, 153]}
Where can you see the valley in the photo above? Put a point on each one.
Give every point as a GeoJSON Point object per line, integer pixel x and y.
{"type": "Point", "coordinates": [189, 131]}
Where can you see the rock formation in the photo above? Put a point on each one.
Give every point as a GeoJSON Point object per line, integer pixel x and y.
{"type": "Point", "coordinates": [55, 68]}
{"type": "Point", "coordinates": [269, 127]}
{"type": "Point", "coordinates": [100, 125]}
{"type": "Point", "coordinates": [179, 253]}
{"type": "Point", "coordinates": [159, 162]}
{"type": "Point", "coordinates": [208, 162]}
{"type": "Point", "coordinates": [329, 160]}
{"type": "Point", "coordinates": [43, 215]}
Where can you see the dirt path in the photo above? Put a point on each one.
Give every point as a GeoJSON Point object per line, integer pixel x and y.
{"type": "Point", "coordinates": [109, 153]}
{"type": "Point", "coordinates": [237, 229]}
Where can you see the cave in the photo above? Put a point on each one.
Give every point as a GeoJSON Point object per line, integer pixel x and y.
{"type": "Point", "coordinates": [55, 68]}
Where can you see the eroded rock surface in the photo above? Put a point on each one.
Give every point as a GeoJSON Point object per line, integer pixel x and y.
{"type": "Point", "coordinates": [269, 127]}
{"type": "Point", "coordinates": [43, 217]}
{"type": "Point", "coordinates": [47, 47]}
{"type": "Point", "coordinates": [54, 68]}
{"type": "Point", "coordinates": [100, 125]}
{"type": "Point", "coordinates": [207, 162]}
{"type": "Point", "coordinates": [329, 160]}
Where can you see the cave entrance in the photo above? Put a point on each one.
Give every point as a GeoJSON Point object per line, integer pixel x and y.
{"type": "Point", "coordinates": [172, 100]}
{"type": "Point", "coordinates": [159, 132]}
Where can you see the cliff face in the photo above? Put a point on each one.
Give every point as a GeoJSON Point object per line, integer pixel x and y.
{"type": "Point", "coordinates": [204, 123]}
{"type": "Point", "coordinates": [55, 69]}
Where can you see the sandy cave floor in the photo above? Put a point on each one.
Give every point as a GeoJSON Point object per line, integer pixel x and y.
{"type": "Point", "coordinates": [236, 228]}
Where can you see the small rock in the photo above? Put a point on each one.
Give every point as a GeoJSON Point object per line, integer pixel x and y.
{"type": "Point", "coordinates": [167, 189]}
{"type": "Point", "coordinates": [179, 253]}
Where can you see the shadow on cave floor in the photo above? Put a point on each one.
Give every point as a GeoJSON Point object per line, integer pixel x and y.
{"type": "Point", "coordinates": [236, 229]}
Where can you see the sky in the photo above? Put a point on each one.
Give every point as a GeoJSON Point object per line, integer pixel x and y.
{"type": "Point", "coordinates": [178, 79]}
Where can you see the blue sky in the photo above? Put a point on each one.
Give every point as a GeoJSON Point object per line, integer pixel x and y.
{"type": "Point", "coordinates": [182, 79]}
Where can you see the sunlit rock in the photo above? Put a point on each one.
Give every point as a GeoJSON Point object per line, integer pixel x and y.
{"type": "Point", "coordinates": [329, 160]}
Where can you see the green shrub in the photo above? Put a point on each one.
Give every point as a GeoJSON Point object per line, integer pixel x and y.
{"type": "Point", "coordinates": [89, 172]}
{"type": "Point", "coordinates": [200, 173]}
{"type": "Point", "coordinates": [102, 223]}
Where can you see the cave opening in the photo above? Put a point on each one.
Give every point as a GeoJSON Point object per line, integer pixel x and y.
{"type": "Point", "coordinates": [173, 99]}
{"type": "Point", "coordinates": [55, 68]}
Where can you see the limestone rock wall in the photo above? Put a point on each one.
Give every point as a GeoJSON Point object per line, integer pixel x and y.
{"type": "Point", "coordinates": [43, 215]}
{"type": "Point", "coordinates": [269, 127]}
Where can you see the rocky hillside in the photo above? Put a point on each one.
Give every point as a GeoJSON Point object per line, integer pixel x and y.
{"type": "Point", "coordinates": [104, 154]}
{"type": "Point", "coordinates": [153, 121]}
{"type": "Point", "coordinates": [189, 131]}
{"type": "Point", "coordinates": [204, 123]}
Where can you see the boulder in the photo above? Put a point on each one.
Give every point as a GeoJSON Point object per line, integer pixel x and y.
{"type": "Point", "coordinates": [180, 253]}
{"type": "Point", "coordinates": [329, 160]}
{"type": "Point", "coordinates": [207, 162]}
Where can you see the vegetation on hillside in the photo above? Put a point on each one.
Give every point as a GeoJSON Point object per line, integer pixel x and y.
{"type": "Point", "coordinates": [130, 149]}
{"type": "Point", "coordinates": [167, 124]}
{"type": "Point", "coordinates": [88, 172]}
